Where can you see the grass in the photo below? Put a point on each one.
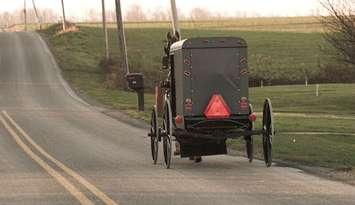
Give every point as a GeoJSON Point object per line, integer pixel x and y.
{"type": "Point", "coordinates": [336, 99]}
{"type": "Point", "coordinates": [79, 55]}
{"type": "Point", "coordinates": [270, 56]}
{"type": "Point", "coordinates": [285, 24]}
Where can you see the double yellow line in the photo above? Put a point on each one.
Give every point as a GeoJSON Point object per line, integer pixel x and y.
{"type": "Point", "coordinates": [16, 131]}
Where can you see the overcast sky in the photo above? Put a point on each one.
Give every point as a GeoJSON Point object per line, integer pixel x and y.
{"type": "Point", "coordinates": [79, 8]}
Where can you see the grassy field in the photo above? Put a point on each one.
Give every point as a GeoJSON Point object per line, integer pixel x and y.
{"type": "Point", "coordinates": [272, 55]}
{"type": "Point", "coordinates": [79, 55]}
{"type": "Point", "coordinates": [286, 24]}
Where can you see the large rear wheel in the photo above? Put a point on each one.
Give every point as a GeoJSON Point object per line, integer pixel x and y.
{"type": "Point", "coordinates": [154, 135]}
{"type": "Point", "coordinates": [168, 132]}
{"type": "Point", "coordinates": [268, 132]}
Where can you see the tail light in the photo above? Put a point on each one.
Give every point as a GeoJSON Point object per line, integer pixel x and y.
{"type": "Point", "coordinates": [252, 117]}
{"type": "Point", "coordinates": [179, 120]}
{"type": "Point", "coordinates": [217, 108]}
{"type": "Point", "coordinates": [244, 103]}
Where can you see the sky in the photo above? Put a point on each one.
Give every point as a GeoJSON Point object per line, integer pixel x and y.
{"type": "Point", "coordinates": [79, 8]}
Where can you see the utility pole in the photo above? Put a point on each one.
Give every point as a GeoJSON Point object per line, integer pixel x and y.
{"type": "Point", "coordinates": [25, 14]}
{"type": "Point", "coordinates": [37, 15]}
{"type": "Point", "coordinates": [121, 37]}
{"type": "Point", "coordinates": [63, 10]}
{"type": "Point", "coordinates": [175, 20]}
{"type": "Point", "coordinates": [107, 51]}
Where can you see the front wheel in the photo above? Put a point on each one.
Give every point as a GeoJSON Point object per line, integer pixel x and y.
{"type": "Point", "coordinates": [268, 132]}
{"type": "Point", "coordinates": [168, 134]}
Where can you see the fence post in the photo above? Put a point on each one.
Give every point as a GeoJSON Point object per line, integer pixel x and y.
{"type": "Point", "coordinates": [140, 94]}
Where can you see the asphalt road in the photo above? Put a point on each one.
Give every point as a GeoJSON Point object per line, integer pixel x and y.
{"type": "Point", "coordinates": [56, 149]}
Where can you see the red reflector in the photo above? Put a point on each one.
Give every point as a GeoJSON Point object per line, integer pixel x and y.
{"type": "Point", "coordinates": [244, 104]}
{"type": "Point", "coordinates": [217, 108]}
{"type": "Point", "coordinates": [179, 119]}
{"type": "Point", "coordinates": [252, 117]}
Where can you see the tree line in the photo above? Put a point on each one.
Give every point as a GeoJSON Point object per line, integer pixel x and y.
{"type": "Point", "coordinates": [134, 13]}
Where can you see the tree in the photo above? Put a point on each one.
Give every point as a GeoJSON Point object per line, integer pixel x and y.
{"type": "Point", "coordinates": [160, 15]}
{"type": "Point", "coordinates": [200, 14]}
{"type": "Point", "coordinates": [340, 29]}
{"type": "Point", "coordinates": [93, 15]}
{"type": "Point", "coordinates": [135, 13]}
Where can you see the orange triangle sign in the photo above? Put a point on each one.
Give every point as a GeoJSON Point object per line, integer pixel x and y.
{"type": "Point", "coordinates": [217, 108]}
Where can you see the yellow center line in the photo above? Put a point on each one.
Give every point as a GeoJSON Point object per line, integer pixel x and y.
{"type": "Point", "coordinates": [98, 193]}
{"type": "Point", "coordinates": [64, 182]}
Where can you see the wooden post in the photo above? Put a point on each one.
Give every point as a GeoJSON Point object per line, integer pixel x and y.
{"type": "Point", "coordinates": [25, 14]}
{"type": "Point", "coordinates": [317, 90]}
{"type": "Point", "coordinates": [175, 20]}
{"type": "Point", "coordinates": [37, 15]}
{"type": "Point", "coordinates": [122, 41]}
{"type": "Point", "coordinates": [140, 94]}
{"type": "Point", "coordinates": [107, 51]}
{"type": "Point", "coordinates": [64, 20]}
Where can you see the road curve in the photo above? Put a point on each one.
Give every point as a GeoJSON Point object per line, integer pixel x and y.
{"type": "Point", "coordinates": [56, 149]}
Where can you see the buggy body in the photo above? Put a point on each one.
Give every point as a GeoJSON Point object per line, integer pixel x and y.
{"type": "Point", "coordinates": [206, 99]}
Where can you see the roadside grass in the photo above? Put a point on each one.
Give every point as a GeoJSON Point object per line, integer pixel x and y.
{"type": "Point", "coordinates": [336, 99]}
{"type": "Point", "coordinates": [330, 151]}
{"type": "Point", "coordinates": [79, 55]}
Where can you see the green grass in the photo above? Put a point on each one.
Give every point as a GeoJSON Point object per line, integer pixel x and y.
{"type": "Point", "coordinates": [272, 55]}
{"type": "Point", "coordinates": [313, 150]}
{"type": "Point", "coordinates": [336, 99]}
{"type": "Point", "coordinates": [79, 55]}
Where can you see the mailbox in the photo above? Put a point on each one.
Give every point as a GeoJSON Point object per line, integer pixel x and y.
{"type": "Point", "coordinates": [135, 81]}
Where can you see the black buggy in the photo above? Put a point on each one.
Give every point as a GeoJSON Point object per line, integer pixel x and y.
{"type": "Point", "coordinates": [205, 100]}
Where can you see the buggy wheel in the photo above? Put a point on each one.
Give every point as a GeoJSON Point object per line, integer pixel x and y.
{"type": "Point", "coordinates": [168, 132]}
{"type": "Point", "coordinates": [154, 135]}
{"type": "Point", "coordinates": [268, 132]}
{"type": "Point", "coordinates": [249, 144]}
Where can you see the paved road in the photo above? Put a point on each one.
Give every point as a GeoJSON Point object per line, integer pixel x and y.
{"type": "Point", "coordinates": [55, 149]}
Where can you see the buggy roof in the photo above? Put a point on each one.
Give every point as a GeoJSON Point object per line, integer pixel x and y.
{"type": "Point", "coordinates": [210, 42]}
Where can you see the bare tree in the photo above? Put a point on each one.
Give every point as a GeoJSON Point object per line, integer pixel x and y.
{"type": "Point", "coordinates": [48, 16]}
{"type": "Point", "coordinates": [200, 14]}
{"type": "Point", "coordinates": [93, 15]}
{"type": "Point", "coordinates": [160, 15]}
{"type": "Point", "coordinates": [340, 28]}
{"type": "Point", "coordinates": [111, 15]}
{"type": "Point", "coordinates": [135, 13]}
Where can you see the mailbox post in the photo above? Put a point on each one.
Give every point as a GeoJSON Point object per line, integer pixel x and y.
{"type": "Point", "coordinates": [136, 83]}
